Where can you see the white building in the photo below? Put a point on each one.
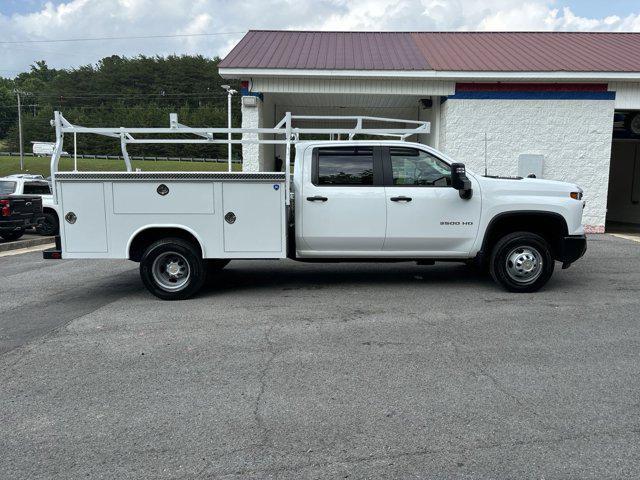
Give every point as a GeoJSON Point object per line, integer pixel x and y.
{"type": "Point", "coordinates": [553, 97]}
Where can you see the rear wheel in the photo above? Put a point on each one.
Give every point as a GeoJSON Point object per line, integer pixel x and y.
{"type": "Point", "coordinates": [12, 235]}
{"type": "Point", "coordinates": [521, 262]}
{"type": "Point", "coordinates": [172, 269]}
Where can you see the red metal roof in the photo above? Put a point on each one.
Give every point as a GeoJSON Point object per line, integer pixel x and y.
{"type": "Point", "coordinates": [442, 51]}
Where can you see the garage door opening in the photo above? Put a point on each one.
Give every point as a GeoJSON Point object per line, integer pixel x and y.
{"type": "Point", "coordinates": [623, 201]}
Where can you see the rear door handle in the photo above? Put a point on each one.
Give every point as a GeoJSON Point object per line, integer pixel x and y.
{"type": "Point", "coordinates": [317, 198]}
{"type": "Point", "coordinates": [400, 199]}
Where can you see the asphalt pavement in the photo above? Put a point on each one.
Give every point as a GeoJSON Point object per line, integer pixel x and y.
{"type": "Point", "coordinates": [26, 241]}
{"type": "Point", "coordinates": [286, 370]}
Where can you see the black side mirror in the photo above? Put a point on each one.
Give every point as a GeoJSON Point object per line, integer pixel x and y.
{"type": "Point", "coordinates": [459, 180]}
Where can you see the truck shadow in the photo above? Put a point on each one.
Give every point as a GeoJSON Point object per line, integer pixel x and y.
{"type": "Point", "coordinates": [292, 276]}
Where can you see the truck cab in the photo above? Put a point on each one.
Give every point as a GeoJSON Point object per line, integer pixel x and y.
{"type": "Point", "coordinates": [383, 199]}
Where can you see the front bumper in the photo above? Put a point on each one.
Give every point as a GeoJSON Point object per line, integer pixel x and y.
{"type": "Point", "coordinates": [571, 249]}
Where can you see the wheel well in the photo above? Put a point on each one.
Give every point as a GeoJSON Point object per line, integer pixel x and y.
{"type": "Point", "coordinates": [550, 226]}
{"type": "Point", "coordinates": [49, 210]}
{"type": "Point", "coordinates": [146, 237]}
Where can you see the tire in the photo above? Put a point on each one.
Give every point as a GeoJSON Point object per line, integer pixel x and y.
{"type": "Point", "coordinates": [188, 269]}
{"type": "Point", "coordinates": [521, 262]}
{"type": "Point", "coordinates": [12, 235]}
{"type": "Point", "coordinates": [49, 225]}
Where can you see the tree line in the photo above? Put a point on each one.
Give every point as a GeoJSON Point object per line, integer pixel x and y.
{"type": "Point", "coordinates": [118, 91]}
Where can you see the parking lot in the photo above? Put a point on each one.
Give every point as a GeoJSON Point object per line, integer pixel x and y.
{"type": "Point", "coordinates": [286, 370]}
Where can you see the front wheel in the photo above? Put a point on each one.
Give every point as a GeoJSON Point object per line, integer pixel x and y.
{"type": "Point", "coordinates": [12, 235]}
{"type": "Point", "coordinates": [172, 269]}
{"type": "Point", "coordinates": [521, 262]}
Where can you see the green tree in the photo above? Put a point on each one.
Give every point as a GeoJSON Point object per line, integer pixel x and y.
{"type": "Point", "coordinates": [120, 91]}
{"type": "Point", "coordinates": [8, 109]}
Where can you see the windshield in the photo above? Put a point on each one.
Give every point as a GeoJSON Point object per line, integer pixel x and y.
{"type": "Point", "coordinates": [7, 188]}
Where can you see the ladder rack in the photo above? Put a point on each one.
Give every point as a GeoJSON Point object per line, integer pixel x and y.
{"type": "Point", "coordinates": [206, 135]}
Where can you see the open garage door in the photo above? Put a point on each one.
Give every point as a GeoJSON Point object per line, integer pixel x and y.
{"type": "Point", "coordinates": [623, 202]}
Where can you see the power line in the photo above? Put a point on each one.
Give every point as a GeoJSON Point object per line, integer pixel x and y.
{"type": "Point", "coordinates": [50, 105]}
{"type": "Point", "coordinates": [132, 37]}
{"type": "Point", "coordinates": [127, 95]}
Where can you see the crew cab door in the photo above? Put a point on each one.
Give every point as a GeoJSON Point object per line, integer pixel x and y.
{"type": "Point", "coordinates": [425, 215]}
{"type": "Point", "coordinates": [343, 201]}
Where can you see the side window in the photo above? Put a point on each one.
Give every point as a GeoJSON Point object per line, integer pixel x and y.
{"type": "Point", "coordinates": [346, 166]}
{"type": "Point", "coordinates": [36, 189]}
{"type": "Point", "coordinates": [7, 188]}
{"type": "Point", "coordinates": [418, 168]}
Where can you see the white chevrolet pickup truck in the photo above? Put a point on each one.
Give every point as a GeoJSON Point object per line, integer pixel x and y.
{"type": "Point", "coordinates": [349, 200]}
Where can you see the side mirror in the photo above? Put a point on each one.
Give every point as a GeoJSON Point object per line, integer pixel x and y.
{"type": "Point", "coordinates": [459, 180]}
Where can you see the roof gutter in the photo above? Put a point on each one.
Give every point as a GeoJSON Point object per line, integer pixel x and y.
{"type": "Point", "coordinates": [244, 73]}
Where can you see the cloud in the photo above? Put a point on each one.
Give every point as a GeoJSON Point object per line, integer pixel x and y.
{"type": "Point", "coordinates": [108, 18]}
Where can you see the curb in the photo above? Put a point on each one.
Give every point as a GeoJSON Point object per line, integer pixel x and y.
{"type": "Point", "coordinates": [31, 242]}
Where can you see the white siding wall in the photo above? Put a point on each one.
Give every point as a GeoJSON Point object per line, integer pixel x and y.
{"type": "Point", "coordinates": [627, 94]}
{"type": "Point", "coordinates": [353, 86]}
{"type": "Point", "coordinates": [573, 135]}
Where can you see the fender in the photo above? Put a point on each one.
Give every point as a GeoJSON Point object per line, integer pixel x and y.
{"type": "Point", "coordinates": [514, 214]}
{"type": "Point", "coordinates": [165, 225]}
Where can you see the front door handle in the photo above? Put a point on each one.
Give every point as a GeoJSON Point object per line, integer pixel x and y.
{"type": "Point", "coordinates": [317, 198]}
{"type": "Point", "coordinates": [400, 199]}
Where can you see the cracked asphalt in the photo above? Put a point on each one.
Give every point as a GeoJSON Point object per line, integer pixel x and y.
{"type": "Point", "coordinates": [285, 370]}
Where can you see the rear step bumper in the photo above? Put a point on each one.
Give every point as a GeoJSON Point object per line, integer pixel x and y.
{"type": "Point", "coordinates": [54, 253]}
{"type": "Point", "coordinates": [17, 224]}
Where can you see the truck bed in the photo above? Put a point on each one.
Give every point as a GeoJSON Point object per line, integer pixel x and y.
{"type": "Point", "coordinates": [231, 215]}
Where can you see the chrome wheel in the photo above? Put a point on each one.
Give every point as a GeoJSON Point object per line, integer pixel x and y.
{"type": "Point", "coordinates": [524, 265]}
{"type": "Point", "coordinates": [171, 271]}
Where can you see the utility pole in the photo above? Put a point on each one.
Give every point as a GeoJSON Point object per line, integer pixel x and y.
{"type": "Point", "coordinates": [20, 131]}
{"type": "Point", "coordinates": [230, 93]}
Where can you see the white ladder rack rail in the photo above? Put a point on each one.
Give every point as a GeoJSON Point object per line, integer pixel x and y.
{"type": "Point", "coordinates": [290, 134]}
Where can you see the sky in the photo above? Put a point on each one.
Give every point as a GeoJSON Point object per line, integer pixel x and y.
{"type": "Point", "coordinates": [39, 30]}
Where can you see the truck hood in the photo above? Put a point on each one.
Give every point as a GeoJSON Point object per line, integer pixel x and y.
{"type": "Point", "coordinates": [530, 186]}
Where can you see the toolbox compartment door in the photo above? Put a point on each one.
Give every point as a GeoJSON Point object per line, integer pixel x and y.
{"type": "Point", "coordinates": [253, 216]}
{"type": "Point", "coordinates": [86, 229]}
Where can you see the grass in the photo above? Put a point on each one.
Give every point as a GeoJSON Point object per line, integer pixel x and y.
{"type": "Point", "coordinates": [40, 165]}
